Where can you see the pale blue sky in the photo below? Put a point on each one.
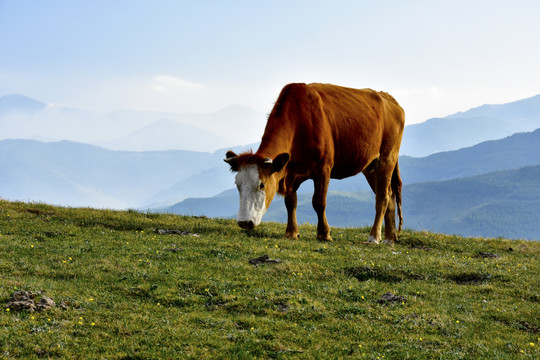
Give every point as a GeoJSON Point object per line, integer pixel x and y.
{"type": "Point", "coordinates": [435, 57]}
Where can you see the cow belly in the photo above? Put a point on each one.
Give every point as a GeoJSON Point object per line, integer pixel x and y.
{"type": "Point", "coordinates": [344, 171]}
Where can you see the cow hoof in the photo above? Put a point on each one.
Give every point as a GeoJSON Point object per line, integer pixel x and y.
{"type": "Point", "coordinates": [324, 237]}
{"type": "Point", "coordinates": [293, 236]}
{"type": "Point", "coordinates": [388, 242]}
{"type": "Point", "coordinates": [372, 240]}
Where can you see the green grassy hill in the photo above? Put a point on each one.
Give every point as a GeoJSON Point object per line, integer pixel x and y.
{"type": "Point", "coordinates": [126, 291]}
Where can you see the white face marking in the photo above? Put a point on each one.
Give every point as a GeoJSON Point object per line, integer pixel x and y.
{"type": "Point", "coordinates": [252, 196]}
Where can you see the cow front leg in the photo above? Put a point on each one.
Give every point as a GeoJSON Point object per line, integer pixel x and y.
{"type": "Point", "coordinates": [292, 226]}
{"type": "Point", "coordinates": [319, 205]}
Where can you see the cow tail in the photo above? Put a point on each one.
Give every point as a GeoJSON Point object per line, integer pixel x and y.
{"type": "Point", "coordinates": [396, 189]}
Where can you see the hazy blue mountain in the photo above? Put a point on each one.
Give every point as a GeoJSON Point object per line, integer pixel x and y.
{"type": "Point", "coordinates": [62, 173]}
{"type": "Point", "coordinates": [463, 129]}
{"type": "Point", "coordinates": [82, 175]}
{"type": "Point", "coordinates": [75, 174]}
{"type": "Point", "coordinates": [204, 184]}
{"type": "Point", "coordinates": [528, 108]}
{"type": "Point", "coordinates": [196, 132]}
{"type": "Point", "coordinates": [514, 151]}
{"type": "Point", "coordinates": [221, 205]}
{"type": "Point", "coordinates": [505, 203]}
{"type": "Point", "coordinates": [19, 103]}
{"type": "Point", "coordinates": [167, 134]}
{"type": "Point", "coordinates": [25, 118]}
{"type": "Point", "coordinates": [207, 183]}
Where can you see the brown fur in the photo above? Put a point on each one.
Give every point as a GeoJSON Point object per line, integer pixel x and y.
{"type": "Point", "coordinates": [329, 131]}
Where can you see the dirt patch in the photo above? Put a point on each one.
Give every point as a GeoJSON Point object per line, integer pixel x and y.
{"type": "Point", "coordinates": [470, 278]}
{"type": "Point", "coordinates": [26, 300]}
{"type": "Point", "coordinates": [265, 259]}
{"type": "Point", "coordinates": [421, 247]}
{"type": "Point", "coordinates": [364, 273]}
{"type": "Point", "coordinates": [390, 298]}
{"type": "Point", "coordinates": [525, 326]}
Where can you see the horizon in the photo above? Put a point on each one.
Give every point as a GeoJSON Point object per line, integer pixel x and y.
{"type": "Point", "coordinates": [435, 58]}
{"type": "Point", "coordinates": [56, 105]}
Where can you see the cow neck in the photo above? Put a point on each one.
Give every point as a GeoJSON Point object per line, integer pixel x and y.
{"type": "Point", "coordinates": [277, 139]}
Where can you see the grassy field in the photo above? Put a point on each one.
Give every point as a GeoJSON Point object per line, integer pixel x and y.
{"type": "Point", "coordinates": [124, 291]}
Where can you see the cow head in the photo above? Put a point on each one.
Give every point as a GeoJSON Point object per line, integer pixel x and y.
{"type": "Point", "coordinates": [257, 181]}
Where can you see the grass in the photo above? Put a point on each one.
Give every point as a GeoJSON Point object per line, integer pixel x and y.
{"type": "Point", "coordinates": [124, 291]}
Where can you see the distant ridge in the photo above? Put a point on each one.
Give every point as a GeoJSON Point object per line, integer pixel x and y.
{"type": "Point", "coordinates": [22, 117]}
{"type": "Point", "coordinates": [524, 108]}
{"type": "Point", "coordinates": [498, 204]}
{"type": "Point", "coordinates": [463, 129]}
{"type": "Point", "coordinates": [74, 174]}
{"type": "Point", "coordinates": [16, 102]}
{"type": "Point", "coordinates": [171, 134]}
{"type": "Point", "coordinates": [514, 151]}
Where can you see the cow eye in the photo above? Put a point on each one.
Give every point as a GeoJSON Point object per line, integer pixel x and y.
{"type": "Point", "coordinates": [261, 186]}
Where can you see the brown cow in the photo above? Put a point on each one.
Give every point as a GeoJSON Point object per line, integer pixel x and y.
{"type": "Point", "coordinates": [323, 131]}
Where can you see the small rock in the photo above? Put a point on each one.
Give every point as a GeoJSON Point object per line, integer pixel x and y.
{"type": "Point", "coordinates": [23, 295]}
{"type": "Point", "coordinates": [283, 307]}
{"type": "Point", "coordinates": [45, 303]}
{"type": "Point", "coordinates": [390, 297]}
{"type": "Point", "coordinates": [176, 232]}
{"type": "Point", "coordinates": [175, 248]}
{"type": "Point", "coordinates": [421, 247]}
{"type": "Point", "coordinates": [21, 305]}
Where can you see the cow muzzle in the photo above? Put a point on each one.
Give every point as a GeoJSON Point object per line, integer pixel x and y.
{"type": "Point", "coordinates": [246, 224]}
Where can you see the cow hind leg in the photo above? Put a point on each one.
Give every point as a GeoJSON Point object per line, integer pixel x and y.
{"type": "Point", "coordinates": [390, 233]}
{"type": "Point", "coordinates": [381, 204]}
{"type": "Point", "coordinates": [319, 205]}
{"type": "Point", "coordinates": [379, 177]}
{"type": "Point", "coordinates": [291, 200]}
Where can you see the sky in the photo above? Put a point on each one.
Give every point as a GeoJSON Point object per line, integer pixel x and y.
{"type": "Point", "coordinates": [435, 57]}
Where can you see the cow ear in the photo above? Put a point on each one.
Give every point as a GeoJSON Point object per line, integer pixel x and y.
{"type": "Point", "coordinates": [232, 159]}
{"type": "Point", "coordinates": [279, 162]}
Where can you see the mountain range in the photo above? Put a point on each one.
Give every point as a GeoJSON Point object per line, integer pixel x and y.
{"type": "Point", "coordinates": [22, 117]}
{"type": "Point", "coordinates": [112, 172]}
{"type": "Point", "coordinates": [443, 192]}
{"type": "Point", "coordinates": [499, 204]}
{"type": "Point", "coordinates": [25, 118]}
{"type": "Point", "coordinates": [74, 174]}
{"type": "Point", "coordinates": [463, 129]}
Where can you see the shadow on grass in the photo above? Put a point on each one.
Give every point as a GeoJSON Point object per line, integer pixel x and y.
{"type": "Point", "coordinates": [365, 273]}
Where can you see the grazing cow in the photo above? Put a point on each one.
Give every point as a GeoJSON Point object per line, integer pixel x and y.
{"type": "Point", "coordinates": [318, 132]}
